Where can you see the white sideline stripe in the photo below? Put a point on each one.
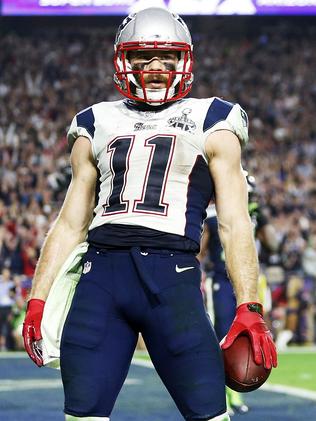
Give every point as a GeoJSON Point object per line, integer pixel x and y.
{"type": "Point", "coordinates": [8, 385]}
{"type": "Point", "coordinates": [13, 355]}
{"type": "Point", "coordinates": [288, 390]}
{"type": "Point", "coordinates": [278, 388]}
{"type": "Point", "coordinates": [298, 350]}
{"type": "Point", "coordinates": [142, 363]}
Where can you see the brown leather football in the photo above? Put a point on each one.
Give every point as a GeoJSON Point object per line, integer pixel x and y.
{"type": "Point", "coordinates": [241, 371]}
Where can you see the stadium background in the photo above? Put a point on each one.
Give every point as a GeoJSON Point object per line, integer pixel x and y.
{"type": "Point", "coordinates": [51, 67]}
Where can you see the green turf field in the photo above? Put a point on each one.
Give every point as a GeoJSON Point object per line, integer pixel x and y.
{"type": "Point", "coordinates": [297, 368]}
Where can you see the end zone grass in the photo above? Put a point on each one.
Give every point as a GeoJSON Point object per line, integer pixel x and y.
{"type": "Point", "coordinates": [296, 369]}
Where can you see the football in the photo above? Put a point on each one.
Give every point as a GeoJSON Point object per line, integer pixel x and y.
{"type": "Point", "coordinates": [241, 371]}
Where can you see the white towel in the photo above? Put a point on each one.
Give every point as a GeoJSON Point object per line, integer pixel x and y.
{"type": "Point", "coordinates": [58, 303]}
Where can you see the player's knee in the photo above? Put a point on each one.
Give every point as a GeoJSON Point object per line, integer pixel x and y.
{"type": "Point", "coordinates": [223, 417]}
{"type": "Point", "coordinates": [72, 418]}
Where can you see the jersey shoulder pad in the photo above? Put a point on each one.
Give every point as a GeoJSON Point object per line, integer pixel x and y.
{"type": "Point", "coordinates": [83, 124]}
{"type": "Point", "coordinates": [224, 115]}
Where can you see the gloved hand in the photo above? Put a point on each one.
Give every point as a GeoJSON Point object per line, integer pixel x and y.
{"type": "Point", "coordinates": [249, 321]}
{"type": "Point", "coordinates": [32, 330]}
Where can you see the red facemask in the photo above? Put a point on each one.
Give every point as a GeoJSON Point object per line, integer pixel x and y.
{"type": "Point", "coordinates": [131, 83]}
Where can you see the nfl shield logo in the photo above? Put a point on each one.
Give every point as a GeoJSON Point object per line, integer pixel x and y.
{"type": "Point", "coordinates": [87, 267]}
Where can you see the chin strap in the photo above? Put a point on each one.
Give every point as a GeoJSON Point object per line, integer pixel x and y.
{"type": "Point", "coordinates": [155, 95]}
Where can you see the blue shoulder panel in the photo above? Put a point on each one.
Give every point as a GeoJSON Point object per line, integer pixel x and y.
{"type": "Point", "coordinates": [200, 192]}
{"type": "Point", "coordinates": [86, 119]}
{"type": "Point", "coordinates": [218, 111]}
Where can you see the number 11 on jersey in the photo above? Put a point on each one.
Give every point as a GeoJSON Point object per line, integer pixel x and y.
{"type": "Point", "coordinates": [154, 183]}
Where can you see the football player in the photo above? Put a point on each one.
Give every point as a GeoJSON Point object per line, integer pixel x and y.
{"type": "Point", "coordinates": [152, 161]}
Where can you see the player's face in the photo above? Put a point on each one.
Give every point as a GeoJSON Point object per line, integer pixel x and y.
{"type": "Point", "coordinates": [155, 62]}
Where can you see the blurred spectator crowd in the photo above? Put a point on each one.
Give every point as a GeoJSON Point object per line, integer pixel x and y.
{"type": "Point", "coordinates": [49, 74]}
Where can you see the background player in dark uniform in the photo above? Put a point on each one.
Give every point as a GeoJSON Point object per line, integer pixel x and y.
{"type": "Point", "coordinates": [223, 296]}
{"type": "Point", "coordinates": [157, 159]}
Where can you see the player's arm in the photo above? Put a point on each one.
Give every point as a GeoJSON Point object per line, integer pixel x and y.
{"type": "Point", "coordinates": [235, 227]}
{"type": "Point", "coordinates": [236, 234]}
{"type": "Point", "coordinates": [71, 225]}
{"type": "Point", "coordinates": [69, 229]}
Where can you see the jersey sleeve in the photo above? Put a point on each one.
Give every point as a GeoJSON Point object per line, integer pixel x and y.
{"type": "Point", "coordinates": [83, 124]}
{"type": "Point", "coordinates": [223, 115]}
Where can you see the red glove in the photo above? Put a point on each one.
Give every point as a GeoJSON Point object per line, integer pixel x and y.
{"type": "Point", "coordinates": [249, 321]}
{"type": "Point", "coordinates": [32, 330]}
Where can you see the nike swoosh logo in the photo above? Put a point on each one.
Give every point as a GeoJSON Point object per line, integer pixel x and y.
{"type": "Point", "coordinates": [179, 270]}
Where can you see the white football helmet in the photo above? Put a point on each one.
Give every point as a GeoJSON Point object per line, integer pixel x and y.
{"type": "Point", "coordinates": [153, 29]}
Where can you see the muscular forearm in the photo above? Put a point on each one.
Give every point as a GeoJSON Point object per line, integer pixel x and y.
{"type": "Point", "coordinates": [60, 242]}
{"type": "Point", "coordinates": [241, 259]}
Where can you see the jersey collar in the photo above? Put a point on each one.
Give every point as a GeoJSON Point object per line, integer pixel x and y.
{"type": "Point", "coordinates": [143, 106]}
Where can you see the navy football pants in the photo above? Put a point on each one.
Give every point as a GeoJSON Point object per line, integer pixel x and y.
{"type": "Point", "coordinates": [126, 292]}
{"type": "Point", "coordinates": [224, 302]}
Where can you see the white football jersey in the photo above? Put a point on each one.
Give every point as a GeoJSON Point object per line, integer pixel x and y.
{"type": "Point", "coordinates": [152, 164]}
